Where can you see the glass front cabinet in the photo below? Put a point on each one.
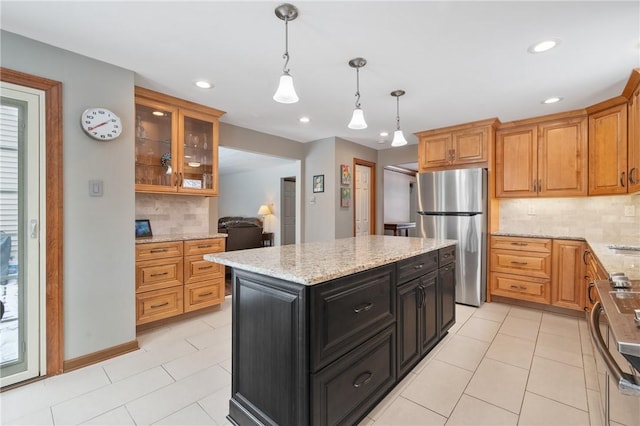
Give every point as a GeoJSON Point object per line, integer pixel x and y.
{"type": "Point", "coordinates": [176, 148]}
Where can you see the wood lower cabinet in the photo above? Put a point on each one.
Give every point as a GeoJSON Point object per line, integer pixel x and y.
{"type": "Point", "coordinates": [455, 146]}
{"type": "Point", "coordinates": [567, 282]}
{"type": "Point", "coordinates": [608, 150]}
{"type": "Point", "coordinates": [172, 278]}
{"type": "Point", "coordinates": [325, 354]}
{"type": "Point", "coordinates": [542, 157]}
{"type": "Point", "coordinates": [593, 271]}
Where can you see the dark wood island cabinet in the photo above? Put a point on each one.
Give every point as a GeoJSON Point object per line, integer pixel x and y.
{"type": "Point", "coordinates": [321, 340]}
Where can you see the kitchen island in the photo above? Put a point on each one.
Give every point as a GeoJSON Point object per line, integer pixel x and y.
{"type": "Point", "coordinates": [322, 331]}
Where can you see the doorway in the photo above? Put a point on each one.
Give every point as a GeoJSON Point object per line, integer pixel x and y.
{"type": "Point", "coordinates": [288, 206]}
{"type": "Point", "coordinates": [364, 197]}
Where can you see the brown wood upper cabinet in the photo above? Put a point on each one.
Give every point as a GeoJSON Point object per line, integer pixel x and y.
{"type": "Point", "coordinates": [176, 148]}
{"type": "Point", "coordinates": [542, 157]}
{"type": "Point", "coordinates": [455, 146]}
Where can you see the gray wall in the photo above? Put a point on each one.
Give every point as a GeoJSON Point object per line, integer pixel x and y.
{"type": "Point", "coordinates": [319, 220]}
{"type": "Point", "coordinates": [98, 269]}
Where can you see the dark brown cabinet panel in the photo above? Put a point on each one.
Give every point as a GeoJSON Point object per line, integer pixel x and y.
{"type": "Point", "coordinates": [447, 287]}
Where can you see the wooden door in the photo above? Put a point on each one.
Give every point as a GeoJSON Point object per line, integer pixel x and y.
{"type": "Point", "coordinates": [608, 151]}
{"type": "Point", "coordinates": [471, 146]}
{"type": "Point", "coordinates": [568, 271]}
{"type": "Point", "coordinates": [364, 197]}
{"type": "Point", "coordinates": [562, 158]}
{"type": "Point", "coordinates": [434, 151]}
{"type": "Point", "coordinates": [516, 162]}
{"type": "Point", "coordinates": [633, 142]}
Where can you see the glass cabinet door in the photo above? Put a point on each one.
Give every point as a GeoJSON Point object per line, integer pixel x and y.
{"type": "Point", "coordinates": [155, 152]}
{"type": "Point", "coordinates": [199, 154]}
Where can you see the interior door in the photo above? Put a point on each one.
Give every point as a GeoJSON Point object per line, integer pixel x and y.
{"type": "Point", "coordinates": [21, 218]}
{"type": "Point", "coordinates": [363, 206]}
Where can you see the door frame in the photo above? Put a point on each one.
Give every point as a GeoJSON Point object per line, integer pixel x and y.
{"type": "Point", "coordinates": [372, 194]}
{"type": "Point", "coordinates": [54, 212]}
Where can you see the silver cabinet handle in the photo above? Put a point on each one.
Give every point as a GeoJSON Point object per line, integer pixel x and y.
{"type": "Point", "coordinates": [363, 379]}
{"type": "Point", "coordinates": [626, 382]}
{"type": "Point", "coordinates": [363, 308]}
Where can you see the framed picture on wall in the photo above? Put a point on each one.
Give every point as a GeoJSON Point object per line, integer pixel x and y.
{"type": "Point", "coordinates": [318, 183]}
{"type": "Point", "coordinates": [345, 197]}
{"type": "Point", "coordinates": [345, 175]}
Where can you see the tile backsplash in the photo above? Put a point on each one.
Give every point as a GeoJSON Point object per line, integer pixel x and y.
{"type": "Point", "coordinates": [598, 219]}
{"type": "Point", "coordinates": [174, 214]}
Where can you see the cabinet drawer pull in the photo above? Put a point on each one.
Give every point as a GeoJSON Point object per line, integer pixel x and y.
{"type": "Point", "coordinates": [160, 250]}
{"type": "Point", "coordinates": [446, 269]}
{"type": "Point", "coordinates": [447, 255]}
{"type": "Point", "coordinates": [622, 179]}
{"type": "Point", "coordinates": [516, 262]}
{"type": "Point", "coordinates": [591, 286]}
{"type": "Point", "coordinates": [363, 308]}
{"type": "Point", "coordinates": [205, 267]}
{"type": "Point", "coordinates": [519, 243]}
{"type": "Point", "coordinates": [632, 180]}
{"type": "Point", "coordinates": [206, 294]}
{"type": "Point", "coordinates": [418, 266]}
{"type": "Point", "coordinates": [363, 379]}
{"type": "Point", "coordinates": [584, 256]}
{"type": "Point", "coordinates": [205, 246]}
{"type": "Point", "coordinates": [160, 274]}
{"type": "Point", "coordinates": [157, 306]}
{"type": "Point", "coordinates": [518, 287]}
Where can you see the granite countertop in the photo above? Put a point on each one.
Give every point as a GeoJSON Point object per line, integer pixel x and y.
{"type": "Point", "coordinates": [313, 263]}
{"type": "Point", "coordinates": [180, 237]}
{"type": "Point", "coordinates": [613, 257]}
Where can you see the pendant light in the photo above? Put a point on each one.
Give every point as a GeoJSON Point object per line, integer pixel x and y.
{"type": "Point", "coordinates": [357, 120]}
{"type": "Point", "coordinates": [286, 93]}
{"type": "Point", "coordinates": [398, 136]}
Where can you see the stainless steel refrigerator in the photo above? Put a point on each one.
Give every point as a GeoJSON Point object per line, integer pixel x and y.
{"type": "Point", "coordinates": [452, 204]}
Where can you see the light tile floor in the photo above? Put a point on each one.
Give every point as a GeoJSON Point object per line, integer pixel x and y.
{"type": "Point", "coordinates": [499, 365]}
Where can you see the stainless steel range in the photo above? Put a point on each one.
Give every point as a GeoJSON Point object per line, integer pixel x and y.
{"type": "Point", "coordinates": [614, 324]}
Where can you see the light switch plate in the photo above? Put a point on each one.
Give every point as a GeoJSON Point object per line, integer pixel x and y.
{"type": "Point", "coordinates": [95, 188]}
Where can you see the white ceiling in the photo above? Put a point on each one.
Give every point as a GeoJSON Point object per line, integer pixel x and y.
{"type": "Point", "coordinates": [457, 61]}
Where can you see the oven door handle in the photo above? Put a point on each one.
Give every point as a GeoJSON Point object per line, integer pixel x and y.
{"type": "Point", "coordinates": [627, 383]}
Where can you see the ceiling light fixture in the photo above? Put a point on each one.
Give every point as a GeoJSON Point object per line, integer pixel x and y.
{"type": "Point", "coordinates": [543, 46]}
{"type": "Point", "coordinates": [384, 134]}
{"type": "Point", "coordinates": [398, 136]}
{"type": "Point", "coordinates": [203, 84]}
{"type": "Point", "coordinates": [552, 100]}
{"type": "Point", "coordinates": [357, 119]}
{"type": "Point", "coordinates": [304, 119]}
{"type": "Point", "coordinates": [286, 93]}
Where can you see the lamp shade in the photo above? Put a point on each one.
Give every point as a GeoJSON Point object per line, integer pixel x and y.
{"type": "Point", "coordinates": [357, 120]}
{"type": "Point", "coordinates": [286, 93]}
{"type": "Point", "coordinates": [264, 210]}
{"type": "Point", "coordinates": [398, 138]}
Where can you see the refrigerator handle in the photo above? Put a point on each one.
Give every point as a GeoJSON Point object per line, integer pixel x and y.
{"type": "Point", "coordinates": [627, 383]}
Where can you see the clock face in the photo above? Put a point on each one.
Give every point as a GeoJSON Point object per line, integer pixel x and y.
{"type": "Point", "coordinates": [101, 124]}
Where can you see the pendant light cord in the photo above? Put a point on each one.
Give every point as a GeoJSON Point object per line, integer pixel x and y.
{"type": "Point", "coordinates": [397, 112]}
{"type": "Point", "coordinates": [285, 70]}
{"type": "Point", "coordinates": [358, 87]}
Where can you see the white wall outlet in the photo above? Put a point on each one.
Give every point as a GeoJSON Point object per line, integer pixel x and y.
{"type": "Point", "coordinates": [531, 211]}
{"type": "Point", "coordinates": [630, 210]}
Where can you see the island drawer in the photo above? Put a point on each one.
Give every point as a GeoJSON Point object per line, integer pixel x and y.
{"type": "Point", "coordinates": [197, 269]}
{"type": "Point", "coordinates": [200, 295]}
{"type": "Point", "coordinates": [158, 304]}
{"type": "Point", "coordinates": [341, 390]}
{"type": "Point", "coordinates": [149, 251]}
{"type": "Point", "coordinates": [446, 255]}
{"type": "Point", "coordinates": [419, 265]}
{"type": "Point", "coordinates": [210, 245]}
{"type": "Point", "coordinates": [530, 289]}
{"type": "Point", "coordinates": [347, 311]}
{"type": "Point", "coordinates": [519, 263]}
{"type": "Point", "coordinates": [157, 274]}
{"type": "Point", "coordinates": [540, 245]}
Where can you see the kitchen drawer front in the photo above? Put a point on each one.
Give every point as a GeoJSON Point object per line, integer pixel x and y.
{"type": "Point", "coordinates": [530, 289]}
{"type": "Point", "coordinates": [346, 389]}
{"type": "Point", "coordinates": [411, 268]}
{"type": "Point", "coordinates": [201, 295]}
{"type": "Point", "coordinates": [197, 269]}
{"type": "Point", "coordinates": [157, 274]}
{"type": "Point", "coordinates": [446, 255]}
{"type": "Point", "coordinates": [210, 245]}
{"type": "Point", "coordinates": [539, 245]}
{"type": "Point", "coordinates": [519, 263]}
{"type": "Point", "coordinates": [158, 304]}
{"type": "Point", "coordinates": [149, 251]}
{"type": "Point", "coordinates": [347, 311]}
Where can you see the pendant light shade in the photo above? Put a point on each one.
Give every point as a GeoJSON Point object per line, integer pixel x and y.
{"type": "Point", "coordinates": [357, 119]}
{"type": "Point", "coordinates": [286, 93]}
{"type": "Point", "coordinates": [398, 136]}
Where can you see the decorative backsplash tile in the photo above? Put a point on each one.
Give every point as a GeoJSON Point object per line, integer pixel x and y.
{"type": "Point", "coordinates": [174, 214]}
{"type": "Point", "coordinates": [598, 219]}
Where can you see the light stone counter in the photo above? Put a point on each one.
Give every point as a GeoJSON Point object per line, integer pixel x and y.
{"type": "Point", "coordinates": [313, 263]}
{"type": "Point", "coordinates": [180, 237]}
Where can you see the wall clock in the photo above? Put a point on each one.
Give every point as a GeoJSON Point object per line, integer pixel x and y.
{"type": "Point", "coordinates": [101, 124]}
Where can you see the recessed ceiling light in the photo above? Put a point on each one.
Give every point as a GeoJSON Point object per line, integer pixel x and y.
{"type": "Point", "coordinates": [543, 46]}
{"type": "Point", "coordinates": [158, 113]}
{"type": "Point", "coordinates": [384, 134]}
{"type": "Point", "coordinates": [305, 119]}
{"type": "Point", "coordinates": [552, 100]}
{"type": "Point", "coordinates": [203, 84]}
